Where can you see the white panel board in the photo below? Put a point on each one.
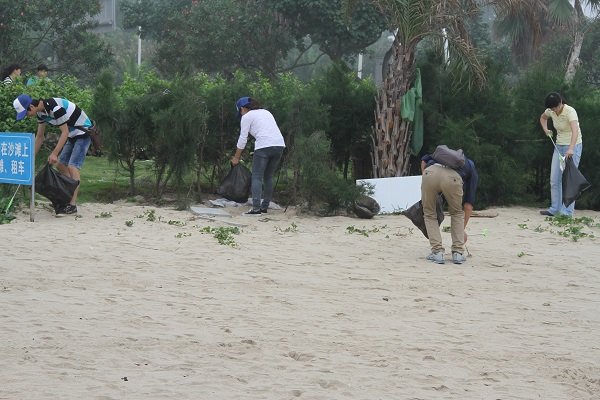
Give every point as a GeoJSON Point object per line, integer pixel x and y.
{"type": "Point", "coordinates": [395, 194]}
{"type": "Point", "coordinates": [209, 211]}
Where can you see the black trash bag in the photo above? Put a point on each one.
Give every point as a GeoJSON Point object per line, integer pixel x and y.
{"type": "Point", "coordinates": [236, 185]}
{"type": "Point", "coordinates": [415, 214]}
{"type": "Point", "coordinates": [366, 207]}
{"type": "Point", "coordinates": [53, 185]}
{"type": "Point", "coordinates": [573, 183]}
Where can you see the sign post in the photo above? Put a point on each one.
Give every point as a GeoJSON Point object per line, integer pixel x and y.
{"type": "Point", "coordinates": [17, 162]}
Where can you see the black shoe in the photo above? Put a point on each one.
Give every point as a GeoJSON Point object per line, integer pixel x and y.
{"type": "Point", "coordinates": [57, 206]}
{"type": "Point", "coordinates": [60, 211]}
{"type": "Point", "coordinates": [70, 209]}
{"type": "Point", "coordinates": [263, 210]}
{"type": "Point", "coordinates": [252, 212]}
{"type": "Point", "coordinates": [546, 213]}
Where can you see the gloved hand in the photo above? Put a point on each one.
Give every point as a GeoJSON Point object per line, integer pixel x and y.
{"type": "Point", "coordinates": [549, 133]}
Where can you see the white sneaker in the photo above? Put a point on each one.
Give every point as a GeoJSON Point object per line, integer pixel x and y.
{"type": "Point", "coordinates": [458, 258]}
{"type": "Point", "coordinates": [437, 257]}
{"type": "Point", "coordinates": [252, 213]}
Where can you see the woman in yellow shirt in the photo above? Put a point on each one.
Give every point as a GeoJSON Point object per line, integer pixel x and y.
{"type": "Point", "coordinates": [568, 143]}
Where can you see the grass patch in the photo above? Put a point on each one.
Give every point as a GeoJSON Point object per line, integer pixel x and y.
{"type": "Point", "coordinates": [102, 181]}
{"type": "Point", "coordinates": [573, 228]}
{"type": "Point", "coordinates": [365, 232]}
{"type": "Point", "coordinates": [224, 235]}
{"type": "Point", "coordinates": [292, 228]}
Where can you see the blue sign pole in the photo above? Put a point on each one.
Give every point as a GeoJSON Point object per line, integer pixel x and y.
{"type": "Point", "coordinates": [17, 161]}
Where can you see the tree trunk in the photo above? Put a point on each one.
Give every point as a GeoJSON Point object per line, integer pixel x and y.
{"type": "Point", "coordinates": [573, 62]}
{"type": "Point", "coordinates": [391, 133]}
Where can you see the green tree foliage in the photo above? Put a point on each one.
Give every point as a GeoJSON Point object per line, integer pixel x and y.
{"type": "Point", "coordinates": [124, 118]}
{"type": "Point", "coordinates": [587, 109]}
{"type": "Point", "coordinates": [212, 35]}
{"type": "Point", "coordinates": [316, 179]}
{"type": "Point", "coordinates": [179, 130]}
{"type": "Point", "coordinates": [227, 35]}
{"type": "Point", "coordinates": [338, 31]}
{"type": "Point", "coordinates": [32, 31]}
{"type": "Point", "coordinates": [350, 102]}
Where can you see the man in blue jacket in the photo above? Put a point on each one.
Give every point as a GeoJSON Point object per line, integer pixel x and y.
{"type": "Point", "coordinates": [458, 187]}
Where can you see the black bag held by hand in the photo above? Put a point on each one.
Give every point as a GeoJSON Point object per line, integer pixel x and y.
{"type": "Point", "coordinates": [236, 185]}
{"type": "Point", "coordinates": [415, 214]}
{"type": "Point", "coordinates": [573, 183]}
{"type": "Point", "coordinates": [53, 185]}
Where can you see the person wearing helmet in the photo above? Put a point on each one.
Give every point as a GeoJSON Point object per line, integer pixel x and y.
{"type": "Point", "coordinates": [268, 149]}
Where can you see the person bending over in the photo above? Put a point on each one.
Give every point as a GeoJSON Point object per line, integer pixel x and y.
{"type": "Point", "coordinates": [73, 142]}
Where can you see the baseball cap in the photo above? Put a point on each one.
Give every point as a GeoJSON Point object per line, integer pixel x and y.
{"type": "Point", "coordinates": [21, 105]}
{"type": "Point", "coordinates": [242, 102]}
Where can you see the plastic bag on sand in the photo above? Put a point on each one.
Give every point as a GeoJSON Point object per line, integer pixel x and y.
{"type": "Point", "coordinates": [53, 185]}
{"type": "Point", "coordinates": [415, 214]}
{"type": "Point", "coordinates": [366, 207]}
{"type": "Point", "coordinates": [236, 185]}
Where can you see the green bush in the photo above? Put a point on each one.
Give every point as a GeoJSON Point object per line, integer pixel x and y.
{"type": "Point", "coordinates": [317, 181]}
{"type": "Point", "coordinates": [61, 86]}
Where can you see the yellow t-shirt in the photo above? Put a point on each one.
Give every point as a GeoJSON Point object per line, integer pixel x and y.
{"type": "Point", "coordinates": [562, 123]}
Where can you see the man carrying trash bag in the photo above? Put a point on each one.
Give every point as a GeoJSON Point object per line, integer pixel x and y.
{"type": "Point", "coordinates": [73, 142]}
{"type": "Point", "coordinates": [450, 173]}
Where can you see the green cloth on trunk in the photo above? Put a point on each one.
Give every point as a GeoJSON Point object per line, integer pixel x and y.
{"type": "Point", "coordinates": [412, 109]}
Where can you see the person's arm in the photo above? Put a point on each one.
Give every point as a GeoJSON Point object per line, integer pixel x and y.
{"type": "Point", "coordinates": [423, 165]}
{"type": "Point", "coordinates": [468, 209]}
{"type": "Point", "coordinates": [574, 134]}
{"type": "Point", "coordinates": [235, 160]}
{"type": "Point", "coordinates": [544, 124]}
{"type": "Point", "coordinates": [64, 135]}
{"type": "Point", "coordinates": [39, 137]}
{"type": "Point", "coordinates": [470, 189]}
{"type": "Point", "coordinates": [242, 140]}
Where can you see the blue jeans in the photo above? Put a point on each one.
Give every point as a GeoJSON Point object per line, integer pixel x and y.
{"type": "Point", "coordinates": [264, 163]}
{"type": "Point", "coordinates": [557, 206]}
{"type": "Point", "coordinates": [74, 151]}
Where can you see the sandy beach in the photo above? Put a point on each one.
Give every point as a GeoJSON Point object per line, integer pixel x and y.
{"type": "Point", "coordinates": [115, 305]}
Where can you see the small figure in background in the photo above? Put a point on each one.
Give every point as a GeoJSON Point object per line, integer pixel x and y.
{"type": "Point", "coordinates": [11, 73]}
{"type": "Point", "coordinates": [41, 74]}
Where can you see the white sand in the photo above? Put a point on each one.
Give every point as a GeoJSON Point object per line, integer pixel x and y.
{"type": "Point", "coordinates": [94, 309]}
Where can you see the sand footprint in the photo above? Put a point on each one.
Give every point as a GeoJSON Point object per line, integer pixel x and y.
{"type": "Point", "coordinates": [300, 356]}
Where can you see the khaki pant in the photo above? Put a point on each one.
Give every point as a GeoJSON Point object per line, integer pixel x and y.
{"type": "Point", "coordinates": [440, 179]}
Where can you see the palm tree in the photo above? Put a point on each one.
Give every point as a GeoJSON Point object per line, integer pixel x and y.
{"type": "Point", "coordinates": [525, 23]}
{"type": "Point", "coordinates": [414, 22]}
{"type": "Point", "coordinates": [529, 23]}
